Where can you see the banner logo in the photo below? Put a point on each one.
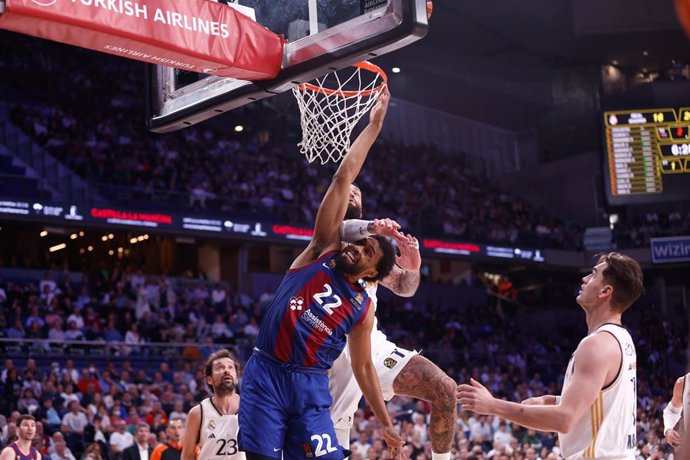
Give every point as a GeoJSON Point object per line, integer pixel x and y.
{"type": "Point", "coordinates": [45, 2]}
{"type": "Point", "coordinates": [669, 250]}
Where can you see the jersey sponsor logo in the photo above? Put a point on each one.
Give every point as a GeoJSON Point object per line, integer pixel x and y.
{"type": "Point", "coordinates": [296, 303]}
{"type": "Point", "coordinates": [631, 443]}
{"type": "Point", "coordinates": [213, 436]}
{"type": "Point", "coordinates": [357, 301]}
{"type": "Point", "coordinates": [629, 350]}
{"type": "Point", "coordinates": [389, 363]}
{"type": "Point", "coordinates": [306, 447]}
{"type": "Point", "coordinates": [316, 323]}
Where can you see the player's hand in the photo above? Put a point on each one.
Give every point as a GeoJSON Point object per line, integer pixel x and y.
{"type": "Point", "coordinates": [378, 112]}
{"type": "Point", "coordinates": [673, 438]}
{"type": "Point", "coordinates": [474, 397]}
{"type": "Point", "coordinates": [395, 443]}
{"type": "Point", "coordinates": [386, 227]}
{"type": "Point", "coordinates": [409, 258]}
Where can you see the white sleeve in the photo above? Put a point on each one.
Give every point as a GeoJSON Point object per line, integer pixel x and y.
{"type": "Point", "coordinates": [354, 230]}
{"type": "Point", "coordinates": [671, 416]}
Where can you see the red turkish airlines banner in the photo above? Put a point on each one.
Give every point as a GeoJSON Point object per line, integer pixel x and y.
{"type": "Point", "coordinates": [196, 35]}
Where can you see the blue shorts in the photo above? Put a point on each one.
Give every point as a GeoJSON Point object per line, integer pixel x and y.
{"type": "Point", "coordinates": [285, 412]}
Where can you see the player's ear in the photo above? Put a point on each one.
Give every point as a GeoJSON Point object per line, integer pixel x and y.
{"type": "Point", "coordinates": [606, 291]}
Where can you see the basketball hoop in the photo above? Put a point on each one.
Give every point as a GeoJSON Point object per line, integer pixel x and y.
{"type": "Point", "coordinates": [331, 106]}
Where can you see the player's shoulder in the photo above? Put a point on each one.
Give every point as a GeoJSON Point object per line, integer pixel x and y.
{"type": "Point", "coordinates": [195, 412]}
{"type": "Point", "coordinates": [7, 452]}
{"type": "Point", "coordinates": [598, 346]}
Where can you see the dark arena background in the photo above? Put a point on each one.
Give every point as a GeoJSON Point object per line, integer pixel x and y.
{"type": "Point", "coordinates": [522, 139]}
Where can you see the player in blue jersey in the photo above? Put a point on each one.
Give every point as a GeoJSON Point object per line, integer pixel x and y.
{"type": "Point", "coordinates": [400, 371]}
{"type": "Point", "coordinates": [285, 398]}
{"type": "Point", "coordinates": [21, 449]}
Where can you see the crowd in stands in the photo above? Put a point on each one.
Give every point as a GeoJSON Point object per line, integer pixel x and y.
{"type": "Point", "coordinates": [207, 169]}
{"type": "Point", "coordinates": [87, 400]}
{"type": "Point", "coordinates": [637, 230]}
{"type": "Point", "coordinates": [211, 167]}
{"type": "Point", "coordinates": [256, 172]}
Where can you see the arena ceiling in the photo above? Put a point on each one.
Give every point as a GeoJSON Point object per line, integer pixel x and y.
{"type": "Point", "coordinates": [496, 60]}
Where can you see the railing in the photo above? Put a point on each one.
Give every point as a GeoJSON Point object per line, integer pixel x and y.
{"type": "Point", "coordinates": [142, 356]}
{"type": "Point", "coordinates": [150, 355]}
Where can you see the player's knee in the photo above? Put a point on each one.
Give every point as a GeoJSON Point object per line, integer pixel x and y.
{"type": "Point", "coordinates": [444, 394]}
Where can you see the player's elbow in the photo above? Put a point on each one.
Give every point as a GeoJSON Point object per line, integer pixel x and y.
{"type": "Point", "coordinates": [342, 178]}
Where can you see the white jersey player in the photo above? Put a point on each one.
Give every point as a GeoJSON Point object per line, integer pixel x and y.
{"type": "Point", "coordinates": [608, 429]}
{"type": "Point", "coordinates": [596, 413]}
{"type": "Point", "coordinates": [400, 371]}
{"type": "Point", "coordinates": [677, 407]}
{"type": "Point", "coordinates": [212, 425]}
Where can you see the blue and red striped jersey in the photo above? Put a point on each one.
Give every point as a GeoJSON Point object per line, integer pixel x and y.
{"type": "Point", "coordinates": [314, 307]}
{"type": "Point", "coordinates": [19, 455]}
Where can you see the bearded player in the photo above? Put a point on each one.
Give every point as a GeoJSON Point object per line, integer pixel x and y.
{"type": "Point", "coordinates": [212, 425]}
{"type": "Point", "coordinates": [400, 371]}
{"type": "Point", "coordinates": [322, 298]}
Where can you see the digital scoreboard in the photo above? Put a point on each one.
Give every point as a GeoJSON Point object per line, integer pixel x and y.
{"type": "Point", "coordinates": [647, 155]}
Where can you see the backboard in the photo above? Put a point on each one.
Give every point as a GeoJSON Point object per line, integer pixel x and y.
{"type": "Point", "coordinates": [322, 35]}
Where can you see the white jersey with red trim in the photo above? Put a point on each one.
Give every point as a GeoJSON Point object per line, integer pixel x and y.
{"type": "Point", "coordinates": [608, 429]}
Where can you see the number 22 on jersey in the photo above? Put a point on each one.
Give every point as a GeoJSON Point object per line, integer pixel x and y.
{"type": "Point", "coordinates": [333, 300]}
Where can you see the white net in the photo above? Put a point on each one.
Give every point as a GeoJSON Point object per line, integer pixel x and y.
{"type": "Point", "coordinates": [331, 106]}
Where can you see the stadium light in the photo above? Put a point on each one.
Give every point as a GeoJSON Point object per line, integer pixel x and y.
{"type": "Point", "coordinates": [395, 70]}
{"type": "Point", "coordinates": [57, 247]}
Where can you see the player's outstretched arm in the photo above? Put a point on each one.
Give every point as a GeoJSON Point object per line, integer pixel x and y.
{"type": "Point", "coordinates": [544, 400]}
{"type": "Point", "coordinates": [594, 358]}
{"type": "Point", "coordinates": [191, 434]}
{"type": "Point", "coordinates": [334, 205]}
{"type": "Point", "coordinates": [365, 373]}
{"type": "Point", "coordinates": [404, 278]}
{"type": "Point", "coordinates": [672, 414]}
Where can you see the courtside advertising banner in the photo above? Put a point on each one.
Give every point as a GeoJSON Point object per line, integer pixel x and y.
{"type": "Point", "coordinates": [196, 35]}
{"type": "Point", "coordinates": [670, 250]}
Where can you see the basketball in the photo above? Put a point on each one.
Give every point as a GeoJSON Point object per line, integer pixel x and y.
{"type": "Point", "coordinates": [429, 9]}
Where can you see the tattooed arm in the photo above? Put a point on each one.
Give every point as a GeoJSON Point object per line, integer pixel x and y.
{"type": "Point", "coordinates": [404, 278]}
{"type": "Point", "coordinates": [402, 282]}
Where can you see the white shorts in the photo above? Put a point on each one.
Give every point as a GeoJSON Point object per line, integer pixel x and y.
{"type": "Point", "coordinates": [388, 360]}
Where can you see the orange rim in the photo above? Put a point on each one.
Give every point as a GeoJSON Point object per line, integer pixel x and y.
{"type": "Point", "coordinates": [364, 65]}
